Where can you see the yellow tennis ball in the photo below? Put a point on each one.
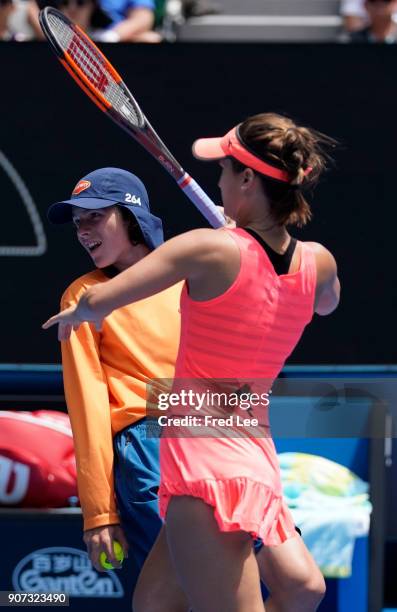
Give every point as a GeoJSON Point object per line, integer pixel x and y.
{"type": "Point", "coordinates": [118, 551]}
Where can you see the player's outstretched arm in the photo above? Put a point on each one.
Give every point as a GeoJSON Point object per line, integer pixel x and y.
{"type": "Point", "coordinates": [188, 256]}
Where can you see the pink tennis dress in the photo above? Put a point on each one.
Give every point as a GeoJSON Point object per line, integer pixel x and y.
{"type": "Point", "coordinates": [246, 333]}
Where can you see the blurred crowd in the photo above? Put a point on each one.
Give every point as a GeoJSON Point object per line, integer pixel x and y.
{"type": "Point", "coordinates": [368, 21]}
{"type": "Point", "coordinates": [104, 20]}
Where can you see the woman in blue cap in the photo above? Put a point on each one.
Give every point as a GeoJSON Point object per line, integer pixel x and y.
{"type": "Point", "coordinates": [106, 372]}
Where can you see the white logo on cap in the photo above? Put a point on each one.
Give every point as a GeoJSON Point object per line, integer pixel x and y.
{"type": "Point", "coordinates": [133, 199]}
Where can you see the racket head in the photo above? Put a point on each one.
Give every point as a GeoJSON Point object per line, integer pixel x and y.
{"type": "Point", "coordinates": [90, 69]}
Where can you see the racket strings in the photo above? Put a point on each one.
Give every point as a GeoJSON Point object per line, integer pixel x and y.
{"type": "Point", "coordinates": [94, 68]}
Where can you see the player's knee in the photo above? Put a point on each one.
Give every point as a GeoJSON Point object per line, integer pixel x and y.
{"type": "Point", "coordinates": [311, 592]}
{"type": "Point", "coordinates": [314, 589]}
{"type": "Point", "coordinates": [305, 593]}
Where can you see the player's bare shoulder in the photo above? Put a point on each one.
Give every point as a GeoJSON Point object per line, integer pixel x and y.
{"type": "Point", "coordinates": [210, 245]}
{"type": "Point", "coordinates": [328, 286]}
{"type": "Point", "coordinates": [326, 263]}
{"type": "Point", "coordinates": [214, 262]}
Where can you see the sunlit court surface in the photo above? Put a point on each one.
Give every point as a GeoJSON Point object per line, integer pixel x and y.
{"type": "Point", "coordinates": [215, 432]}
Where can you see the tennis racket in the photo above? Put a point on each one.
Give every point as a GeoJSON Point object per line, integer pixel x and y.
{"type": "Point", "coordinates": [100, 81]}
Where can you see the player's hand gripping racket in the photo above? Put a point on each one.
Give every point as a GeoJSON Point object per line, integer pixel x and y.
{"type": "Point", "coordinates": [100, 81]}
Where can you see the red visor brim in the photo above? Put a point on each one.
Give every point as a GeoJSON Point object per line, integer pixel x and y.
{"type": "Point", "coordinates": [208, 149]}
{"type": "Point", "coordinates": [230, 145]}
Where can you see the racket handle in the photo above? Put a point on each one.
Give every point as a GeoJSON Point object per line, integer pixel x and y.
{"type": "Point", "coordinates": [201, 201]}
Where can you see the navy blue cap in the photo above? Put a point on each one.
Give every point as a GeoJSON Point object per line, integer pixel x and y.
{"type": "Point", "coordinates": [107, 187]}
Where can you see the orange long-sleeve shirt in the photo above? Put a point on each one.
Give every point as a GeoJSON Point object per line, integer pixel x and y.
{"type": "Point", "coordinates": [105, 375]}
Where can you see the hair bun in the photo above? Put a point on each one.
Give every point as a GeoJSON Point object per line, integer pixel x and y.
{"type": "Point", "coordinates": [300, 151]}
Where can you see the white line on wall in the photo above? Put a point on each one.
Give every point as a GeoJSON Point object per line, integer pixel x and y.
{"type": "Point", "coordinates": [31, 208]}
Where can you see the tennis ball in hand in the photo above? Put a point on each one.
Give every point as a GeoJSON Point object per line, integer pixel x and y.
{"type": "Point", "coordinates": [118, 551]}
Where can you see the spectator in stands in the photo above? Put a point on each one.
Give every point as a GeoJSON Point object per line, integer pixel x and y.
{"type": "Point", "coordinates": [85, 13]}
{"type": "Point", "coordinates": [354, 14]}
{"type": "Point", "coordinates": [111, 21]}
{"type": "Point", "coordinates": [6, 8]}
{"type": "Point", "coordinates": [132, 20]}
{"type": "Point", "coordinates": [382, 27]}
{"type": "Point", "coordinates": [355, 17]}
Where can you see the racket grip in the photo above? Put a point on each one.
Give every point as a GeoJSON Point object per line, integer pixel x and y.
{"type": "Point", "coordinates": [200, 199]}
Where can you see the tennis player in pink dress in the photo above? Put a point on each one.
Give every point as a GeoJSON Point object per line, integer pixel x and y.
{"type": "Point", "coordinates": [249, 293]}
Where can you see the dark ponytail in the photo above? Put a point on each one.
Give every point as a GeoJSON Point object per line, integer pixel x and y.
{"type": "Point", "coordinates": [298, 150]}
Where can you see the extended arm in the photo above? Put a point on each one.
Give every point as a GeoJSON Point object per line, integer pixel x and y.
{"type": "Point", "coordinates": [139, 19]}
{"type": "Point", "coordinates": [189, 256]}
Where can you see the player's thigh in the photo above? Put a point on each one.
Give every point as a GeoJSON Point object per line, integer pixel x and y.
{"type": "Point", "coordinates": [217, 570]}
{"type": "Point", "coordinates": [158, 587]}
{"type": "Point", "coordinates": [289, 567]}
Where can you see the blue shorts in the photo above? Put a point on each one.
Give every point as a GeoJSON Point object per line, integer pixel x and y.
{"type": "Point", "coordinates": [136, 481]}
